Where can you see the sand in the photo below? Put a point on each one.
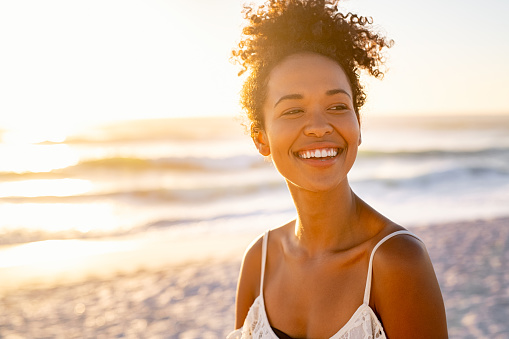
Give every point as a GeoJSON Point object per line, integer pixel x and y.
{"type": "Point", "coordinates": [196, 299]}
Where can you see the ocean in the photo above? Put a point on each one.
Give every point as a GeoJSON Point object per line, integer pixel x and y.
{"type": "Point", "coordinates": [179, 178]}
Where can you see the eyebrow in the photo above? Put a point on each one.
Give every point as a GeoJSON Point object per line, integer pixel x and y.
{"type": "Point", "coordinates": [300, 96]}
{"type": "Point", "coordinates": [336, 91]}
{"type": "Point", "coordinates": [289, 97]}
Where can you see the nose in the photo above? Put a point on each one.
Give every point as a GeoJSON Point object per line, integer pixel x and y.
{"type": "Point", "coordinates": [317, 124]}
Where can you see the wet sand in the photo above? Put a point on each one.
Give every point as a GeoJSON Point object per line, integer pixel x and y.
{"type": "Point", "coordinates": [196, 299]}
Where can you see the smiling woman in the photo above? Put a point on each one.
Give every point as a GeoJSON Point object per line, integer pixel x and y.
{"type": "Point", "coordinates": [339, 269]}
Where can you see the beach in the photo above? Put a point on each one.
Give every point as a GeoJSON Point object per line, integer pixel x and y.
{"type": "Point", "coordinates": [195, 299]}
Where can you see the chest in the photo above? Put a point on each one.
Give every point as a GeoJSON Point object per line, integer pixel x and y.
{"type": "Point", "coordinates": [314, 299]}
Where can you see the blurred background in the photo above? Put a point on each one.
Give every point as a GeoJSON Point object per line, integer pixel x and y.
{"type": "Point", "coordinates": [121, 148]}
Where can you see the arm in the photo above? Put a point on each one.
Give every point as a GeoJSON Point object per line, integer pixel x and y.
{"type": "Point", "coordinates": [405, 291]}
{"type": "Point", "coordinates": [249, 281]}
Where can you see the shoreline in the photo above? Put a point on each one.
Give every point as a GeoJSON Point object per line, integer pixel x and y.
{"type": "Point", "coordinates": [52, 263]}
{"type": "Point", "coordinates": [195, 298]}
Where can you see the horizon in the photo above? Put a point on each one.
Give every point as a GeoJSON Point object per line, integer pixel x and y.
{"type": "Point", "coordinates": [203, 127]}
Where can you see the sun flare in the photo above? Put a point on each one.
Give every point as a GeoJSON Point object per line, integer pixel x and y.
{"type": "Point", "coordinates": [22, 158]}
{"type": "Point", "coordinates": [27, 135]}
{"type": "Point", "coordinates": [45, 188]}
{"type": "Point", "coordinates": [57, 253]}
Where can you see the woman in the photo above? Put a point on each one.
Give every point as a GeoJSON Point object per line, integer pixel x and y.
{"type": "Point", "coordinates": [318, 276]}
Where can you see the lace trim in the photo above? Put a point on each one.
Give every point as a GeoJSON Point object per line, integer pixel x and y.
{"type": "Point", "coordinates": [362, 325]}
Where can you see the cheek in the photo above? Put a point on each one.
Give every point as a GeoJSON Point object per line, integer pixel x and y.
{"type": "Point", "coordinates": [354, 127]}
{"type": "Point", "coordinates": [281, 136]}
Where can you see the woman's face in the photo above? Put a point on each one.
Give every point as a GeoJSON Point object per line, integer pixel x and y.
{"type": "Point", "coordinates": [310, 126]}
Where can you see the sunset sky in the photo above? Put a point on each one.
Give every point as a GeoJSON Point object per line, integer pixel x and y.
{"type": "Point", "coordinates": [66, 63]}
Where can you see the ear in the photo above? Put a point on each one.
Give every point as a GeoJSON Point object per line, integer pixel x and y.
{"type": "Point", "coordinates": [360, 139]}
{"type": "Point", "coordinates": [260, 140]}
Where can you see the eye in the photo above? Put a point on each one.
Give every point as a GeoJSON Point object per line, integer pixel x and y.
{"type": "Point", "coordinates": [338, 107]}
{"type": "Point", "coordinates": [293, 111]}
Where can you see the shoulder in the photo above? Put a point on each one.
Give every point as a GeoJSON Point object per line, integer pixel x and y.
{"type": "Point", "coordinates": [248, 287]}
{"type": "Point", "coordinates": [400, 252]}
{"type": "Point", "coordinates": [251, 267]}
{"type": "Point", "coordinates": [252, 262]}
{"type": "Point", "coordinates": [400, 261]}
{"type": "Point", "coordinates": [405, 292]}
{"type": "Point", "coordinates": [248, 284]}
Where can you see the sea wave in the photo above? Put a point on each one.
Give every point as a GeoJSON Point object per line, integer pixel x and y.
{"type": "Point", "coordinates": [238, 162]}
{"type": "Point", "coordinates": [483, 176]}
{"type": "Point", "coordinates": [138, 164]}
{"type": "Point", "coordinates": [234, 163]}
{"type": "Point", "coordinates": [12, 236]}
{"type": "Point", "coordinates": [429, 153]}
{"type": "Point", "coordinates": [161, 194]}
{"type": "Point", "coordinates": [474, 174]}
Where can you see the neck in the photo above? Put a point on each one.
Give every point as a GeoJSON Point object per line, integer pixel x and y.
{"type": "Point", "coordinates": [327, 221]}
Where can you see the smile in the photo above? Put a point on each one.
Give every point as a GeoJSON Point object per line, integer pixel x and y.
{"type": "Point", "coordinates": [318, 153]}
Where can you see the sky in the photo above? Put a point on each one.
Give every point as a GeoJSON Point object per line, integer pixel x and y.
{"type": "Point", "coordinates": [67, 63]}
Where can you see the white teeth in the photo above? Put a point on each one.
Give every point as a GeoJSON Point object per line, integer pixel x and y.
{"type": "Point", "coordinates": [319, 153]}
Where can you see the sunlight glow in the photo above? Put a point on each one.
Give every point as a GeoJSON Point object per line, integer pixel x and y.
{"type": "Point", "coordinates": [57, 252]}
{"type": "Point", "coordinates": [60, 217]}
{"type": "Point", "coordinates": [27, 135]}
{"type": "Point", "coordinates": [138, 59]}
{"type": "Point", "coordinates": [35, 158]}
{"type": "Point", "coordinates": [44, 188]}
{"type": "Point", "coordinates": [147, 59]}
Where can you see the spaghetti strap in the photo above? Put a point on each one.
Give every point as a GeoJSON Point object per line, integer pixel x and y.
{"type": "Point", "coordinates": [264, 258]}
{"type": "Point", "coordinates": [367, 291]}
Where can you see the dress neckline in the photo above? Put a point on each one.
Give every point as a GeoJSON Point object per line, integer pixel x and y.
{"type": "Point", "coordinates": [341, 331]}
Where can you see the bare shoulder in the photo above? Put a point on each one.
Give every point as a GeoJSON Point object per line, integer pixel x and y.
{"type": "Point", "coordinates": [405, 291]}
{"type": "Point", "coordinates": [401, 252]}
{"type": "Point", "coordinates": [251, 264]}
{"type": "Point", "coordinates": [248, 287]}
{"type": "Point", "coordinates": [248, 284]}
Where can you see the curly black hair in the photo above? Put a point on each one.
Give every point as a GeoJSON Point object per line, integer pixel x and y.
{"type": "Point", "coordinates": [280, 28]}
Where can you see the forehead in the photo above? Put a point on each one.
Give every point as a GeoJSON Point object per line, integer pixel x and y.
{"type": "Point", "coordinates": [304, 72]}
